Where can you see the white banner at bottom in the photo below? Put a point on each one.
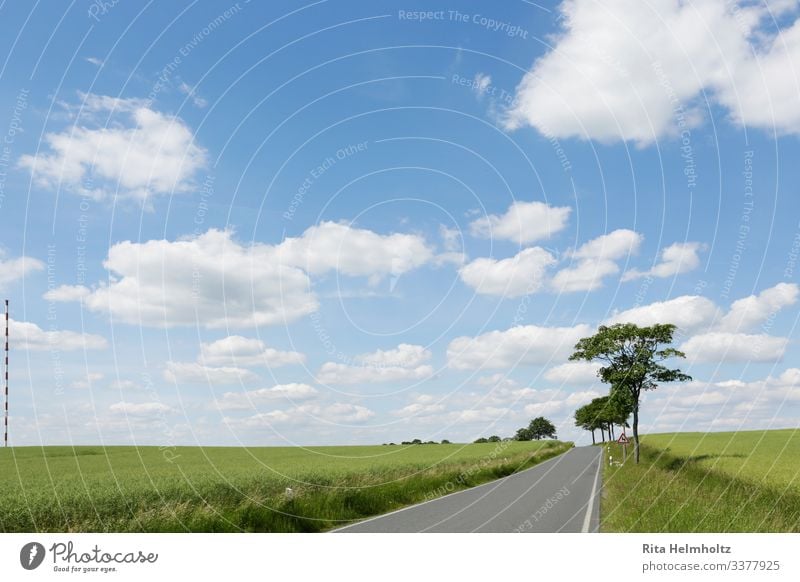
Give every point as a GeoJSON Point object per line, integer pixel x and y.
{"type": "Point", "coordinates": [406, 557]}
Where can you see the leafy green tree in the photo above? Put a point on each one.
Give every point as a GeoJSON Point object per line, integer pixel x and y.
{"type": "Point", "coordinates": [541, 428]}
{"type": "Point", "coordinates": [632, 358]}
{"type": "Point", "coordinates": [586, 418]}
{"type": "Point", "coordinates": [494, 439]}
{"type": "Point", "coordinates": [481, 440]}
{"type": "Point", "coordinates": [523, 434]}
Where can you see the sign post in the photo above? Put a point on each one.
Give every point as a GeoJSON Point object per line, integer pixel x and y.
{"type": "Point", "coordinates": [623, 440]}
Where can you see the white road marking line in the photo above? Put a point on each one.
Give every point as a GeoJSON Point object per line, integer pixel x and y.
{"type": "Point", "coordinates": [587, 520]}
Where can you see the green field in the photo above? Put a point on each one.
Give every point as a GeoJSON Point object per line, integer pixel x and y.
{"type": "Point", "coordinates": [122, 489]}
{"type": "Point", "coordinates": [706, 482]}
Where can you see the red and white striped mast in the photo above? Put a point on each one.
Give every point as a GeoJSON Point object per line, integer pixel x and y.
{"type": "Point", "coordinates": [5, 418]}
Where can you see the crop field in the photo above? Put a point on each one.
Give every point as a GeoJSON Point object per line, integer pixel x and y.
{"type": "Point", "coordinates": [706, 482]}
{"type": "Point", "coordinates": [209, 489]}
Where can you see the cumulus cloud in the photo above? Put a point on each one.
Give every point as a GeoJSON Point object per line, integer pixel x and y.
{"type": "Point", "coordinates": [520, 345]}
{"type": "Point", "coordinates": [192, 372]}
{"type": "Point", "coordinates": [595, 260]}
{"type": "Point", "coordinates": [422, 405]}
{"type": "Point", "coordinates": [555, 405]}
{"type": "Point", "coordinates": [29, 336]}
{"type": "Point", "coordinates": [217, 282]}
{"type": "Point", "coordinates": [254, 398]}
{"type": "Point", "coordinates": [236, 350]}
{"type": "Point", "coordinates": [689, 312]}
{"type": "Point", "coordinates": [406, 362]}
{"type": "Point", "coordinates": [352, 251]}
{"type": "Point", "coordinates": [734, 347]}
{"type": "Point", "coordinates": [748, 313]}
{"type": "Point", "coordinates": [404, 355]}
{"type": "Point", "coordinates": [135, 152]}
{"type": "Point", "coordinates": [715, 334]}
{"type": "Point", "coordinates": [732, 402]}
{"type": "Point", "coordinates": [67, 293]}
{"type": "Point", "coordinates": [622, 70]}
{"type": "Point", "coordinates": [523, 222]}
{"type": "Point", "coordinates": [337, 413]}
{"type": "Point", "coordinates": [14, 269]}
{"type": "Point", "coordinates": [573, 373]}
{"type": "Point", "coordinates": [211, 280]}
{"type": "Point", "coordinates": [520, 275]}
{"type": "Point", "coordinates": [675, 259]}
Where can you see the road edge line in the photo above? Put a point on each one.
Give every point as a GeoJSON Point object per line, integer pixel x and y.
{"type": "Point", "coordinates": [587, 520]}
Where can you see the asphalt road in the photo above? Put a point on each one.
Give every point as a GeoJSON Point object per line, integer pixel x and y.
{"type": "Point", "coordinates": [559, 495]}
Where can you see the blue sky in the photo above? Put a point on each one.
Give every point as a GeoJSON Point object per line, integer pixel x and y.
{"type": "Point", "coordinates": [336, 223]}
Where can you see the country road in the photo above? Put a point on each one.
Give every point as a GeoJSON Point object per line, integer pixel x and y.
{"type": "Point", "coordinates": [559, 495]}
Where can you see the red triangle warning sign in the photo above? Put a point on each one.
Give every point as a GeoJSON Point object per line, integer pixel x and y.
{"type": "Point", "coordinates": [623, 440]}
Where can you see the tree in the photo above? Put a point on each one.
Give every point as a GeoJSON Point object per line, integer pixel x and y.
{"type": "Point", "coordinates": [445, 442]}
{"type": "Point", "coordinates": [541, 428]}
{"type": "Point", "coordinates": [494, 439]}
{"type": "Point", "coordinates": [632, 358]}
{"type": "Point", "coordinates": [481, 440]}
{"type": "Point", "coordinates": [586, 418]}
{"type": "Point", "coordinates": [523, 434]}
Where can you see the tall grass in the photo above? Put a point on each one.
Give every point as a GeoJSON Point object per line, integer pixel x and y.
{"type": "Point", "coordinates": [695, 482]}
{"type": "Point", "coordinates": [124, 489]}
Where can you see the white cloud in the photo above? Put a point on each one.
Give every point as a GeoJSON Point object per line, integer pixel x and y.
{"type": "Point", "coordinates": [217, 282]}
{"type": "Point", "coordinates": [14, 269]}
{"type": "Point", "coordinates": [586, 275]}
{"type": "Point", "coordinates": [689, 312]}
{"type": "Point", "coordinates": [236, 350]}
{"type": "Point", "coordinates": [95, 61]}
{"type": "Point", "coordinates": [595, 260]}
{"type": "Point", "coordinates": [253, 398]}
{"type": "Point", "coordinates": [406, 362]}
{"type": "Point", "coordinates": [618, 71]}
{"type": "Point", "coordinates": [135, 152]}
{"type": "Point", "coordinates": [143, 409]}
{"type": "Point", "coordinates": [452, 240]}
{"type": "Point", "coordinates": [86, 382]}
{"type": "Point", "coordinates": [748, 313]}
{"type": "Point", "coordinates": [191, 372]}
{"type": "Point", "coordinates": [67, 293]}
{"type": "Point", "coordinates": [29, 336]}
{"type": "Point", "coordinates": [573, 373]}
{"type": "Point", "coordinates": [734, 347]}
{"type": "Point", "coordinates": [734, 403]}
{"type": "Point", "coordinates": [338, 413]}
{"type": "Point", "coordinates": [191, 92]}
{"type": "Point", "coordinates": [422, 405]}
{"type": "Point", "coordinates": [352, 251]}
{"type": "Point", "coordinates": [499, 380]}
{"type": "Point", "coordinates": [519, 275]}
{"type": "Point", "coordinates": [404, 355]}
{"type": "Point", "coordinates": [480, 83]}
{"type": "Point", "coordinates": [520, 345]}
{"type": "Point", "coordinates": [333, 373]}
{"type": "Point", "coordinates": [210, 280]}
{"type": "Point", "coordinates": [523, 222]}
{"type": "Point", "coordinates": [675, 259]}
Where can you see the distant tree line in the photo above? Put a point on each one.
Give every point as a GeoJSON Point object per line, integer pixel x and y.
{"type": "Point", "coordinates": [539, 428]}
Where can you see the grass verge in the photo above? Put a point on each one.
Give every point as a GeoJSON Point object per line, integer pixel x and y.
{"type": "Point", "coordinates": [705, 487]}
